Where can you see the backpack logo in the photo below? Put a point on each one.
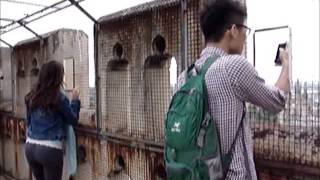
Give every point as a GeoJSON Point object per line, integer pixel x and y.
{"type": "Point", "coordinates": [176, 127]}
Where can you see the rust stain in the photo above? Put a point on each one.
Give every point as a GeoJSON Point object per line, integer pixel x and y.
{"type": "Point", "coordinates": [93, 156]}
{"type": "Point", "coordinates": [93, 121]}
{"type": "Point", "coordinates": [153, 168]}
{"type": "Point", "coordinates": [92, 147]}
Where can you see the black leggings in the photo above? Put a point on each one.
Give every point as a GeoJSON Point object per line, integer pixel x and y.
{"type": "Point", "coordinates": [45, 163]}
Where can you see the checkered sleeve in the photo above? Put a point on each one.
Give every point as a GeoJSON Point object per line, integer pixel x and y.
{"type": "Point", "coordinates": [248, 86]}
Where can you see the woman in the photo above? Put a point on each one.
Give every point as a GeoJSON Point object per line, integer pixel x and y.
{"type": "Point", "coordinates": [49, 112]}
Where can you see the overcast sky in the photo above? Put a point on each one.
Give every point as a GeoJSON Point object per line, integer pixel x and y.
{"type": "Point", "coordinates": [301, 15]}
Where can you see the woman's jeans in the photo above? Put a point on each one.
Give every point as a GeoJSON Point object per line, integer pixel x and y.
{"type": "Point", "coordinates": [46, 163]}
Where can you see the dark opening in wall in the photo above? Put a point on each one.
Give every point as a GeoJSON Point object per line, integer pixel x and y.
{"type": "Point", "coordinates": [21, 71]}
{"type": "Point", "coordinates": [118, 168]}
{"type": "Point", "coordinates": [22, 131]}
{"type": "Point", "coordinates": [81, 154]}
{"type": "Point", "coordinates": [1, 74]}
{"type": "Point", "coordinates": [159, 57]}
{"type": "Point", "coordinates": [119, 163]}
{"type": "Point", "coordinates": [160, 171]}
{"type": "Point", "coordinates": [118, 63]}
{"type": "Point", "coordinates": [35, 69]}
{"type": "Point", "coordinates": [158, 45]}
{"type": "Point", "coordinates": [117, 51]}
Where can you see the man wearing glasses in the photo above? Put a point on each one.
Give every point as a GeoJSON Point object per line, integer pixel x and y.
{"type": "Point", "coordinates": [231, 81]}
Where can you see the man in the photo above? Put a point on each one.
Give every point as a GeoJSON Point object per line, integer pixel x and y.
{"type": "Point", "coordinates": [231, 80]}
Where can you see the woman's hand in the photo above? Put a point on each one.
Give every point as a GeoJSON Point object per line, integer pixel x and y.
{"type": "Point", "coordinates": [75, 94]}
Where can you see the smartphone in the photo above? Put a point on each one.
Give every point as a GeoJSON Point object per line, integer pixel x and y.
{"type": "Point", "coordinates": [277, 61]}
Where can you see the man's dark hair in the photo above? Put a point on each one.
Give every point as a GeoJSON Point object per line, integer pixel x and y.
{"type": "Point", "coordinates": [219, 15]}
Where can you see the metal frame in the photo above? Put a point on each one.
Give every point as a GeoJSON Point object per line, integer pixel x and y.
{"type": "Point", "coordinates": [97, 76]}
{"type": "Point", "coordinates": [24, 19]}
{"type": "Point", "coordinates": [96, 62]}
{"type": "Point", "coordinates": [184, 35]}
{"type": "Point", "coordinates": [29, 17]}
{"type": "Point", "coordinates": [75, 3]}
{"type": "Point", "coordinates": [6, 43]}
{"type": "Point", "coordinates": [29, 29]}
{"type": "Point", "coordinates": [26, 3]}
{"type": "Point", "coordinates": [6, 19]}
{"type": "Point", "coordinates": [290, 43]}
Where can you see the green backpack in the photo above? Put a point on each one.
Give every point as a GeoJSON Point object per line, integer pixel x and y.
{"type": "Point", "coordinates": [192, 145]}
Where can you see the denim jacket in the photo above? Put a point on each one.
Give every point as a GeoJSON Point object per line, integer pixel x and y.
{"type": "Point", "coordinates": [52, 125]}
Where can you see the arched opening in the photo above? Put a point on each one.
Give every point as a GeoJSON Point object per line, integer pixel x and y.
{"type": "Point", "coordinates": [118, 170]}
{"type": "Point", "coordinates": [173, 73]}
{"type": "Point", "coordinates": [117, 51]}
{"type": "Point", "coordinates": [35, 69]}
{"type": "Point", "coordinates": [81, 154]}
{"type": "Point", "coordinates": [158, 45]}
{"type": "Point", "coordinates": [119, 163]}
{"type": "Point", "coordinates": [159, 58]}
{"type": "Point", "coordinates": [21, 72]}
{"type": "Point", "coordinates": [117, 63]}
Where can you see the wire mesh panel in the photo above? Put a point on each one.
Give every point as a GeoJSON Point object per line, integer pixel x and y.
{"type": "Point", "coordinates": [157, 93]}
{"type": "Point", "coordinates": [115, 71]}
{"type": "Point", "coordinates": [137, 96]}
{"type": "Point", "coordinates": [157, 88]}
{"type": "Point", "coordinates": [140, 37]}
{"type": "Point", "coordinates": [118, 100]}
{"type": "Point", "coordinates": [292, 136]}
{"type": "Point", "coordinates": [194, 32]}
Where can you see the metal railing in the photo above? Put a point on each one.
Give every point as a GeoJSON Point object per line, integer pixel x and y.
{"type": "Point", "coordinates": [293, 135]}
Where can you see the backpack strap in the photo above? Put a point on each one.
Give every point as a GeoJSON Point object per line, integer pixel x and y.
{"type": "Point", "coordinates": [226, 160]}
{"type": "Point", "coordinates": [208, 63]}
{"type": "Point", "coordinates": [207, 117]}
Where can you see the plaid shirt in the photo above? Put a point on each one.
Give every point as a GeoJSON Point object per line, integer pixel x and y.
{"type": "Point", "coordinates": [230, 81]}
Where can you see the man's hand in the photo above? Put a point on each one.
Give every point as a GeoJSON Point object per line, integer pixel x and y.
{"type": "Point", "coordinates": [283, 81]}
{"type": "Point", "coordinates": [284, 57]}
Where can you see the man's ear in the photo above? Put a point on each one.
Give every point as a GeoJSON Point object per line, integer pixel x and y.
{"type": "Point", "coordinates": [233, 31]}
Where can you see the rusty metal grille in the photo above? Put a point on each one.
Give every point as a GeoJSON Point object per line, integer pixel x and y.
{"type": "Point", "coordinates": [12, 160]}
{"type": "Point", "coordinates": [292, 136]}
{"type": "Point", "coordinates": [139, 164]}
{"type": "Point", "coordinates": [90, 158]}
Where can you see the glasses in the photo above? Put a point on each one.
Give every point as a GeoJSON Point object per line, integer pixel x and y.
{"type": "Point", "coordinates": [248, 30]}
